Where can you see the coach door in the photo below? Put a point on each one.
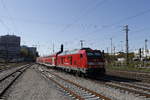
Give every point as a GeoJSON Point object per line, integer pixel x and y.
{"type": "Point", "coordinates": [53, 61]}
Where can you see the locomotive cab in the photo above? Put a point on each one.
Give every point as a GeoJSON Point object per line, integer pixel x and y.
{"type": "Point", "coordinates": [95, 62]}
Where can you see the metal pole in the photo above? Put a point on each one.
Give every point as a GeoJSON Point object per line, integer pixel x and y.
{"type": "Point", "coordinates": [53, 48]}
{"type": "Point", "coordinates": [121, 46]}
{"type": "Point", "coordinates": [6, 52]}
{"type": "Point", "coordinates": [107, 50]}
{"type": "Point", "coordinates": [127, 45]}
{"type": "Point", "coordinates": [114, 50]}
{"type": "Point", "coordinates": [146, 48]}
{"type": "Point", "coordinates": [111, 45]}
{"type": "Point", "coordinates": [81, 43]}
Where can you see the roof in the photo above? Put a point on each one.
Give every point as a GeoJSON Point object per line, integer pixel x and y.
{"type": "Point", "coordinates": [70, 52]}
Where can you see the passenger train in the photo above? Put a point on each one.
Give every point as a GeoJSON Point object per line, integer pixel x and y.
{"type": "Point", "coordinates": [85, 61]}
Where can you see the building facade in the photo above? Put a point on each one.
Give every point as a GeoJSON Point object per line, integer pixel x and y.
{"type": "Point", "coordinates": [9, 47]}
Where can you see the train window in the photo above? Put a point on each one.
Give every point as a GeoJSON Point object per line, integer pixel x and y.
{"type": "Point", "coordinates": [97, 54]}
{"type": "Point", "coordinates": [62, 60]}
{"type": "Point", "coordinates": [90, 54]}
{"type": "Point", "coordinates": [75, 62]}
{"type": "Point", "coordinates": [70, 59]}
{"type": "Point", "coordinates": [81, 56]}
{"type": "Point", "coordinates": [93, 54]}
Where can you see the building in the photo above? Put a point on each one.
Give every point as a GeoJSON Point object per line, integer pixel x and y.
{"type": "Point", "coordinates": [144, 53]}
{"type": "Point", "coordinates": [9, 47]}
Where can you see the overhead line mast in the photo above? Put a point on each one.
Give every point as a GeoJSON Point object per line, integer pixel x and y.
{"type": "Point", "coordinates": [111, 45]}
{"type": "Point", "coordinates": [146, 49]}
{"type": "Point", "coordinates": [127, 44]}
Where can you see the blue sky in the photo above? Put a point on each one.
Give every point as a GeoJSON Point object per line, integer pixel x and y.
{"type": "Point", "coordinates": [44, 22]}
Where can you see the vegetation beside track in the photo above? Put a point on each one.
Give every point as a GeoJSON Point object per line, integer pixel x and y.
{"type": "Point", "coordinates": [112, 63]}
{"type": "Point", "coordinates": [128, 68]}
{"type": "Point", "coordinates": [140, 73]}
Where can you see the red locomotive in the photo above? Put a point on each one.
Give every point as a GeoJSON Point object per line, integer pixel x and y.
{"type": "Point", "coordinates": [83, 61]}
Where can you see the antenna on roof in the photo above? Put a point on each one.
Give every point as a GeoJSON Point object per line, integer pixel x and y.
{"type": "Point", "coordinates": [81, 41]}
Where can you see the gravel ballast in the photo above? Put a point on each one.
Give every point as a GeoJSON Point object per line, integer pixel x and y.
{"type": "Point", "coordinates": [33, 86]}
{"type": "Point", "coordinates": [113, 93]}
{"type": "Point", "coordinates": [7, 72]}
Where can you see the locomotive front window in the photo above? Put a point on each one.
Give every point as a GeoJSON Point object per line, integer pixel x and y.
{"type": "Point", "coordinates": [81, 56]}
{"type": "Point", "coordinates": [90, 54]}
{"type": "Point", "coordinates": [97, 54]}
{"type": "Point", "coordinates": [94, 54]}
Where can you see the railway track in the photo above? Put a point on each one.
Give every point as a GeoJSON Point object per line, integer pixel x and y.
{"type": "Point", "coordinates": [3, 69]}
{"type": "Point", "coordinates": [9, 79]}
{"type": "Point", "coordinates": [142, 76]}
{"type": "Point", "coordinates": [125, 85]}
{"type": "Point", "coordinates": [130, 88]}
{"type": "Point", "coordinates": [141, 89]}
{"type": "Point", "coordinates": [7, 67]}
{"type": "Point", "coordinates": [74, 90]}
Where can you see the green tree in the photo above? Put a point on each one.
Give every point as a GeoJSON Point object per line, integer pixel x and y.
{"type": "Point", "coordinates": [24, 52]}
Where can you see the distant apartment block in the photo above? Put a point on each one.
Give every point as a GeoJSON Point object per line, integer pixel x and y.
{"type": "Point", "coordinates": [9, 47]}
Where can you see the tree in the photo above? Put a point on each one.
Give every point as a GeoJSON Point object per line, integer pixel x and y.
{"type": "Point", "coordinates": [24, 52]}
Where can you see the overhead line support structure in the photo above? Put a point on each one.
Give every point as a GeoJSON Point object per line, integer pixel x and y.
{"type": "Point", "coordinates": [127, 44]}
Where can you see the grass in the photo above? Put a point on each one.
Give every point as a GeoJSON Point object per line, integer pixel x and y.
{"type": "Point", "coordinates": [131, 67]}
